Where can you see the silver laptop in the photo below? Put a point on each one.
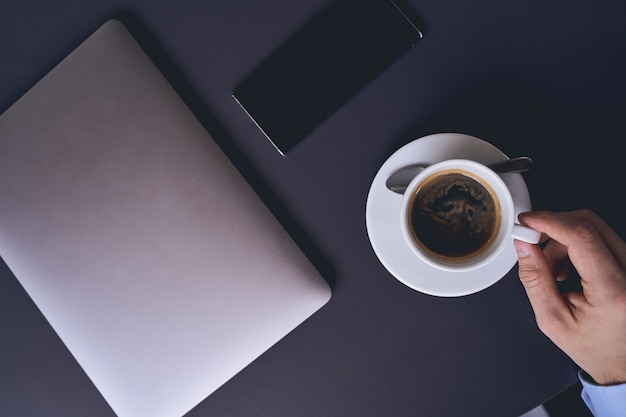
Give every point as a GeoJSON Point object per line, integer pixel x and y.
{"type": "Point", "coordinates": [152, 258]}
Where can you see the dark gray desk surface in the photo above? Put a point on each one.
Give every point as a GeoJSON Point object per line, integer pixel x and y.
{"type": "Point", "coordinates": [539, 78]}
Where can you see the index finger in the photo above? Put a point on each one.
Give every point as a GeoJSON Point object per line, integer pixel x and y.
{"type": "Point", "coordinates": [587, 239]}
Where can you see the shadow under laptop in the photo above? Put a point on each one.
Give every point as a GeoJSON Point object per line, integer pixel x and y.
{"type": "Point", "coordinates": [195, 103]}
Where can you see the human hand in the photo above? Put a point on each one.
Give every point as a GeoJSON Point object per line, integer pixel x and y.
{"type": "Point", "coordinates": [590, 326]}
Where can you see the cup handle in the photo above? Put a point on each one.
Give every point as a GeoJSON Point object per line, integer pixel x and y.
{"type": "Point", "coordinates": [525, 234]}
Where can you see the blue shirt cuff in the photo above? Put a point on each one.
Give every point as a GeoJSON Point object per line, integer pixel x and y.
{"type": "Point", "coordinates": [603, 400]}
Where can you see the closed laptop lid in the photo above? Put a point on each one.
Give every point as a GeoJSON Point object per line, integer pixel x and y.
{"type": "Point", "coordinates": [149, 254]}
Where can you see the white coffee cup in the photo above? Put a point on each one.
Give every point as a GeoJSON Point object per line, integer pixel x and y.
{"type": "Point", "coordinates": [458, 215]}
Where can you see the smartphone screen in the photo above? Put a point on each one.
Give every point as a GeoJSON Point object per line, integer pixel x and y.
{"type": "Point", "coordinates": [323, 65]}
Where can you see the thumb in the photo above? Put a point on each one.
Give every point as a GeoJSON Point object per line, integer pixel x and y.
{"type": "Point", "coordinates": [539, 282]}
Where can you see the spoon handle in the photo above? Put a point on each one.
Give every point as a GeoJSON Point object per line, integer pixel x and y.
{"type": "Point", "coordinates": [520, 164]}
{"type": "Point", "coordinates": [401, 179]}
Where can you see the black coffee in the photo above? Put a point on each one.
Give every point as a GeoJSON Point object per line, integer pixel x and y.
{"type": "Point", "coordinates": [454, 216]}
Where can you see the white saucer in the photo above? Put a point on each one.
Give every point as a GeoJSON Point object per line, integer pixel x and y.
{"type": "Point", "coordinates": [383, 217]}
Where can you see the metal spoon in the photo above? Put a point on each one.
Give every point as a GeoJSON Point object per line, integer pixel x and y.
{"type": "Point", "coordinates": [401, 179]}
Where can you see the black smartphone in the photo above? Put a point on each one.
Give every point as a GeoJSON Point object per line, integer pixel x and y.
{"type": "Point", "coordinates": [324, 64]}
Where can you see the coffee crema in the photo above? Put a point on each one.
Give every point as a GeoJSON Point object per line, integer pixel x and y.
{"type": "Point", "coordinates": [454, 216]}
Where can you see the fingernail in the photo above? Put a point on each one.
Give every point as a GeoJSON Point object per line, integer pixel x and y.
{"type": "Point", "coordinates": [521, 216]}
{"type": "Point", "coordinates": [521, 248]}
